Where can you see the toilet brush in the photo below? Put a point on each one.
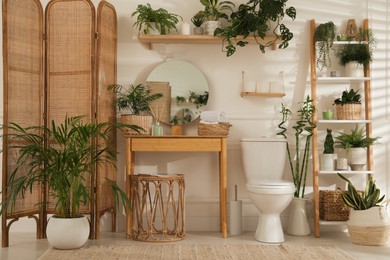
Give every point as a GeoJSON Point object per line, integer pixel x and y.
{"type": "Point", "coordinates": [235, 214]}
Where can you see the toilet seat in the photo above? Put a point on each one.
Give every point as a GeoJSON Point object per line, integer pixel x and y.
{"type": "Point", "coordinates": [282, 187]}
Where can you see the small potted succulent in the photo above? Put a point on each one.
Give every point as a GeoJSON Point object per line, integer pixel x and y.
{"type": "Point", "coordinates": [349, 105]}
{"type": "Point", "coordinates": [155, 21]}
{"type": "Point", "coordinates": [327, 160]}
{"type": "Point", "coordinates": [134, 102]}
{"type": "Point", "coordinates": [367, 215]}
{"type": "Point", "coordinates": [355, 144]}
{"type": "Point", "coordinates": [213, 11]}
{"type": "Point", "coordinates": [198, 20]}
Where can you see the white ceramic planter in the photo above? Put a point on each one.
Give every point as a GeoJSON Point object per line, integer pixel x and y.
{"type": "Point", "coordinates": [354, 69]}
{"type": "Point", "coordinates": [327, 162]}
{"type": "Point", "coordinates": [210, 26]}
{"type": "Point", "coordinates": [67, 233]}
{"type": "Point", "coordinates": [357, 158]}
{"type": "Point", "coordinates": [298, 224]}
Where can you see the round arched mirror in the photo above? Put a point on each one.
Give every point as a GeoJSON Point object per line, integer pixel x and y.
{"type": "Point", "coordinates": [185, 92]}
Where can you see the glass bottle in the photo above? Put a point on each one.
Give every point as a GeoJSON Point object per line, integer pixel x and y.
{"type": "Point", "coordinates": [157, 130]}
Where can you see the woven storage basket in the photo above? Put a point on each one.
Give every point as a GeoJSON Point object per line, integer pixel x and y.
{"type": "Point", "coordinates": [332, 207]}
{"type": "Point", "coordinates": [369, 236]}
{"type": "Point", "coordinates": [222, 128]}
{"type": "Point", "coordinates": [142, 121]}
{"type": "Point", "coordinates": [349, 111]}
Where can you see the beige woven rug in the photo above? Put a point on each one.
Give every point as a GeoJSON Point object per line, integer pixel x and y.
{"type": "Point", "coordinates": [199, 252]}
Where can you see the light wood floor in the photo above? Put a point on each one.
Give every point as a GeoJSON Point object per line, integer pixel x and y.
{"type": "Point", "coordinates": [24, 246]}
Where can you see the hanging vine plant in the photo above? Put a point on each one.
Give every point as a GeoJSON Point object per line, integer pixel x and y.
{"type": "Point", "coordinates": [254, 19]}
{"type": "Point", "coordinates": [324, 36]}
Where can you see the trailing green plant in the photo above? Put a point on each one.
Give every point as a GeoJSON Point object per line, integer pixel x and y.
{"type": "Point", "coordinates": [360, 52]}
{"type": "Point", "coordinates": [136, 99]}
{"type": "Point", "coordinates": [253, 19]}
{"type": "Point", "coordinates": [361, 200]}
{"type": "Point", "coordinates": [163, 20]}
{"type": "Point", "coordinates": [349, 97]}
{"type": "Point", "coordinates": [62, 158]}
{"type": "Point", "coordinates": [214, 9]}
{"type": "Point", "coordinates": [324, 36]}
{"type": "Point", "coordinates": [356, 139]}
{"type": "Point", "coordinates": [329, 142]}
{"type": "Point", "coordinates": [303, 131]}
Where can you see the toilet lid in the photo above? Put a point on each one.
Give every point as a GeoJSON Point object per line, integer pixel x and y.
{"type": "Point", "coordinates": [271, 185]}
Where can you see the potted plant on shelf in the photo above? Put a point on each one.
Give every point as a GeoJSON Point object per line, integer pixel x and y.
{"type": "Point", "coordinates": [198, 20]}
{"type": "Point", "coordinates": [355, 144]}
{"type": "Point", "coordinates": [356, 56]}
{"type": "Point", "coordinates": [303, 132]}
{"type": "Point", "coordinates": [154, 21]}
{"type": "Point", "coordinates": [136, 100]}
{"type": "Point", "coordinates": [62, 158]}
{"type": "Point", "coordinates": [213, 11]}
{"type": "Point", "coordinates": [349, 105]}
{"type": "Point", "coordinates": [327, 160]}
{"type": "Point", "coordinates": [368, 222]}
{"type": "Point", "coordinates": [254, 19]}
{"type": "Point", "coordinates": [324, 36]}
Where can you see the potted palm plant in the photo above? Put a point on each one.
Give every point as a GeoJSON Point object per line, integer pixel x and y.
{"type": "Point", "coordinates": [61, 158]}
{"type": "Point", "coordinates": [213, 11]}
{"type": "Point", "coordinates": [136, 99]}
{"type": "Point", "coordinates": [355, 144]}
{"type": "Point", "coordinates": [349, 105]}
{"type": "Point", "coordinates": [154, 21]}
{"type": "Point", "coordinates": [368, 222]}
{"type": "Point", "coordinates": [303, 132]}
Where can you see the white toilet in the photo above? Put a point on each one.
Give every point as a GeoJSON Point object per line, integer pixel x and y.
{"type": "Point", "coordinates": [264, 161]}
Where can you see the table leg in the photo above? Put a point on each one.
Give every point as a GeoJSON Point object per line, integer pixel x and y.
{"type": "Point", "coordinates": [223, 187]}
{"type": "Point", "coordinates": [129, 171]}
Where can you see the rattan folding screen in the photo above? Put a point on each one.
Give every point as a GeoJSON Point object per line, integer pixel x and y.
{"type": "Point", "coordinates": [70, 79]}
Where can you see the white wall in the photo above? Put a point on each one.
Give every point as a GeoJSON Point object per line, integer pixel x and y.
{"type": "Point", "coordinates": [250, 116]}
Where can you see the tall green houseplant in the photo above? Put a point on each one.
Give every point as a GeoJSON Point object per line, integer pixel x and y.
{"type": "Point", "coordinates": [303, 132]}
{"type": "Point", "coordinates": [62, 157]}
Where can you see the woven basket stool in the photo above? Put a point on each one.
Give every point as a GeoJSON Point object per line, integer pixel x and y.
{"type": "Point", "coordinates": [158, 207]}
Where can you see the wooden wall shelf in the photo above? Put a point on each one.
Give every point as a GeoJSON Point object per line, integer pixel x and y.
{"type": "Point", "coordinates": [195, 39]}
{"type": "Point", "coordinates": [263, 94]}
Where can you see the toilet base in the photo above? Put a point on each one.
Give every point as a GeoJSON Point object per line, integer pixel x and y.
{"type": "Point", "coordinates": [269, 229]}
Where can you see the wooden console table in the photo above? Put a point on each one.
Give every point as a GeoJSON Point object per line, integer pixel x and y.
{"type": "Point", "coordinates": [183, 143]}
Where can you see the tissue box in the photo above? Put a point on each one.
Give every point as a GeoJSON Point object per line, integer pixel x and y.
{"type": "Point", "coordinates": [221, 128]}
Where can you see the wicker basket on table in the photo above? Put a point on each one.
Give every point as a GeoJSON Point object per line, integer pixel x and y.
{"type": "Point", "coordinates": [144, 121]}
{"type": "Point", "coordinates": [220, 128]}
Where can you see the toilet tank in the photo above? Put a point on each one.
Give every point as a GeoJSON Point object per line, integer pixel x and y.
{"type": "Point", "coordinates": [263, 159]}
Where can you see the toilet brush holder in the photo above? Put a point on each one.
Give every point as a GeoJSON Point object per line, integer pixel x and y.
{"type": "Point", "coordinates": [235, 214]}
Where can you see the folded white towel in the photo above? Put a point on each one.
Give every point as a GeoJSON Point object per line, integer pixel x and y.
{"type": "Point", "coordinates": [212, 116]}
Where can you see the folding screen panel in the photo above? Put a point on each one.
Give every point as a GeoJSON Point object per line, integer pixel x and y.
{"type": "Point", "coordinates": [22, 88]}
{"type": "Point", "coordinates": [70, 49]}
{"type": "Point", "coordinates": [106, 112]}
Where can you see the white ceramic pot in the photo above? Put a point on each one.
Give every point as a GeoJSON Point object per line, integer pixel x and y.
{"type": "Point", "coordinates": [210, 26]}
{"type": "Point", "coordinates": [357, 158]}
{"type": "Point", "coordinates": [67, 233]}
{"type": "Point", "coordinates": [298, 224]}
{"type": "Point", "coordinates": [153, 30]}
{"type": "Point", "coordinates": [369, 227]}
{"type": "Point", "coordinates": [354, 69]}
{"type": "Point", "coordinates": [327, 162]}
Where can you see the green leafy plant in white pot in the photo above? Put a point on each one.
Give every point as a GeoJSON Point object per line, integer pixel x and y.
{"type": "Point", "coordinates": [303, 132]}
{"type": "Point", "coordinates": [213, 11]}
{"type": "Point", "coordinates": [355, 143]}
{"type": "Point", "coordinates": [368, 223]}
{"type": "Point", "coordinates": [327, 159]}
{"type": "Point", "coordinates": [62, 158]}
{"type": "Point", "coordinates": [154, 21]}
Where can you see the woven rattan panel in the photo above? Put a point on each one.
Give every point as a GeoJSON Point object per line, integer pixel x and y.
{"type": "Point", "coordinates": [23, 77]}
{"type": "Point", "coordinates": [106, 112]}
{"type": "Point", "coordinates": [70, 48]}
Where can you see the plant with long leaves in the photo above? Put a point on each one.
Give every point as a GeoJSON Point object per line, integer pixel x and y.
{"type": "Point", "coordinates": [61, 157]}
{"type": "Point", "coordinates": [356, 139]}
{"type": "Point", "coordinates": [253, 19]}
{"type": "Point", "coordinates": [358, 200]}
{"type": "Point", "coordinates": [303, 130]}
{"type": "Point", "coordinates": [324, 36]}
